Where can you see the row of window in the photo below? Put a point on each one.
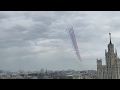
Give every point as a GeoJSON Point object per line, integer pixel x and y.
{"type": "Point", "coordinates": [108, 70]}
{"type": "Point", "coordinates": [112, 56]}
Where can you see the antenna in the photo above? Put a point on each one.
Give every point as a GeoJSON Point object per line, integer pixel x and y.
{"type": "Point", "coordinates": [110, 38]}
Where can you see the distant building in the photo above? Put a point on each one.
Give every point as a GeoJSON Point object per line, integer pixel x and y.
{"type": "Point", "coordinates": [82, 76]}
{"type": "Point", "coordinates": [77, 76]}
{"type": "Point", "coordinates": [1, 71]}
{"type": "Point", "coordinates": [112, 68]}
{"type": "Point", "coordinates": [88, 74]}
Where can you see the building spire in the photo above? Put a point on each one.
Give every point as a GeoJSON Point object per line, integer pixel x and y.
{"type": "Point", "coordinates": [115, 50]}
{"type": "Point", "coordinates": [110, 38]}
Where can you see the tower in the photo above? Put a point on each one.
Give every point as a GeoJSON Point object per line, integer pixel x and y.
{"type": "Point", "coordinates": [112, 68]}
{"type": "Point", "coordinates": [110, 55]}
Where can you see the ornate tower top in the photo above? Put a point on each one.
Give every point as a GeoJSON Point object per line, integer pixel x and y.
{"type": "Point", "coordinates": [110, 38]}
{"type": "Point", "coordinates": [110, 46]}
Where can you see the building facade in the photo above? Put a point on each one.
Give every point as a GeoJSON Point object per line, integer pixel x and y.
{"type": "Point", "coordinates": [112, 68]}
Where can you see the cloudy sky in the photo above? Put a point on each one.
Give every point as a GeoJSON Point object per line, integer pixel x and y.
{"type": "Point", "coordinates": [31, 40]}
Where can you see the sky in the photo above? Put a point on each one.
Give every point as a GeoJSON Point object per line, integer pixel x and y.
{"type": "Point", "coordinates": [32, 40]}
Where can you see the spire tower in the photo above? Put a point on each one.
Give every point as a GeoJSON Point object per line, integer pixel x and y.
{"type": "Point", "coordinates": [110, 38]}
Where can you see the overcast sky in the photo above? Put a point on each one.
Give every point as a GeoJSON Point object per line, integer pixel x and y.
{"type": "Point", "coordinates": [31, 40]}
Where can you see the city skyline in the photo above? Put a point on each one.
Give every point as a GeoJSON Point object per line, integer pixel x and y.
{"type": "Point", "coordinates": [31, 40]}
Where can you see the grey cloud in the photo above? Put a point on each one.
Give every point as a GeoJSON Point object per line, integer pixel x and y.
{"type": "Point", "coordinates": [7, 14]}
{"type": "Point", "coordinates": [114, 24]}
{"type": "Point", "coordinates": [37, 31]}
{"type": "Point", "coordinates": [3, 15]}
{"type": "Point", "coordinates": [39, 39]}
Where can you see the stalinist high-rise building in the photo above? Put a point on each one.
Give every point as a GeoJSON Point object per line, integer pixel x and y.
{"type": "Point", "coordinates": [112, 68]}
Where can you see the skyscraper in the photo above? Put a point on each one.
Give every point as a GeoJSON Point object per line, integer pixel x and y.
{"type": "Point", "coordinates": [112, 68]}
